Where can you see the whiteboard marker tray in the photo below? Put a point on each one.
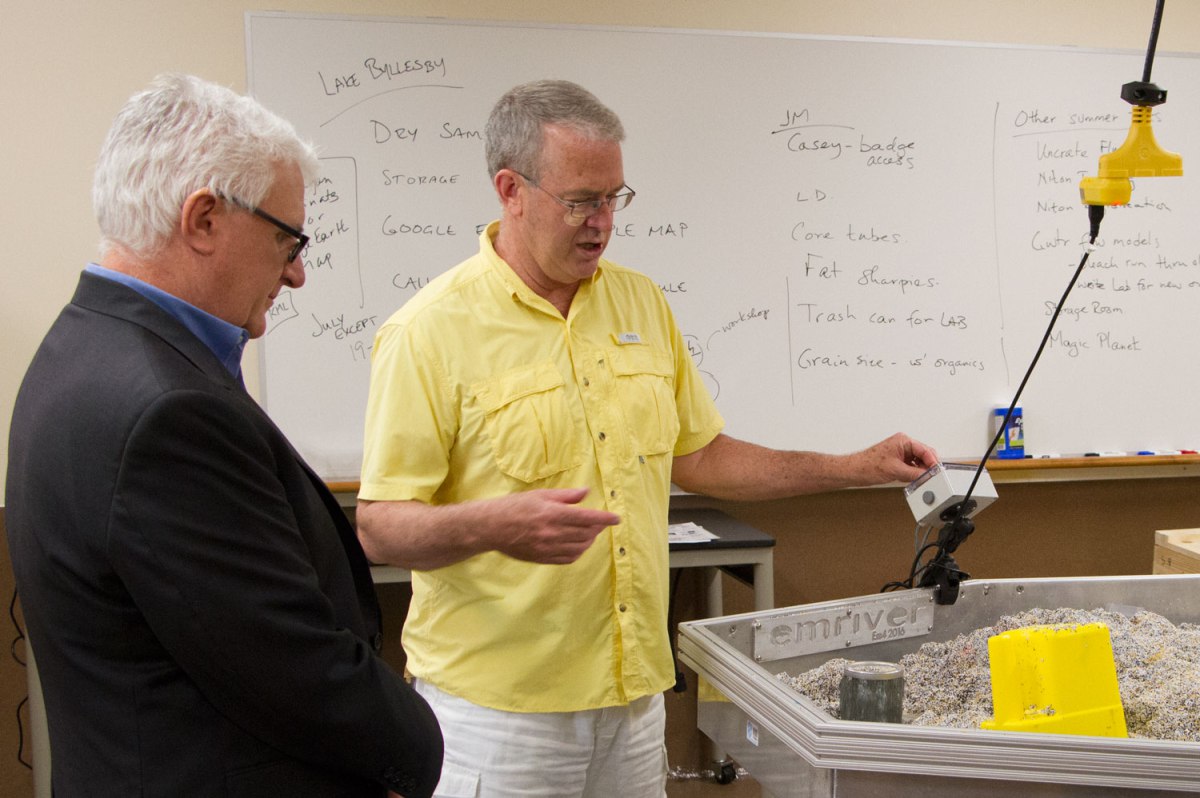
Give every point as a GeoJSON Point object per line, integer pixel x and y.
{"type": "Point", "coordinates": [796, 750]}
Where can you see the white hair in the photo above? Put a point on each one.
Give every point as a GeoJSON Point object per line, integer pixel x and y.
{"type": "Point", "coordinates": [178, 136]}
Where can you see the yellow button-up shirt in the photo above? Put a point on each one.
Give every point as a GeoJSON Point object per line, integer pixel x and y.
{"type": "Point", "coordinates": [480, 388]}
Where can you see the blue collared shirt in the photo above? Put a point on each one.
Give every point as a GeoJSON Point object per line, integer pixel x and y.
{"type": "Point", "coordinates": [227, 341]}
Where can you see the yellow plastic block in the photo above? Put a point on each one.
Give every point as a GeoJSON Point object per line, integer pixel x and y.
{"type": "Point", "coordinates": [1058, 679]}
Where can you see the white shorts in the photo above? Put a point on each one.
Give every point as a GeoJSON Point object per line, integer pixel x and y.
{"type": "Point", "coordinates": [598, 753]}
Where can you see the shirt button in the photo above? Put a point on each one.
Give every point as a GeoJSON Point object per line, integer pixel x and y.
{"type": "Point", "coordinates": [602, 436]}
{"type": "Point", "coordinates": [612, 494]}
{"type": "Point", "coordinates": [621, 607]}
{"type": "Point", "coordinates": [621, 551]}
{"type": "Point", "coordinates": [586, 382]}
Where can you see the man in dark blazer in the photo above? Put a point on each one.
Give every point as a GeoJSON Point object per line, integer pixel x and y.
{"type": "Point", "coordinates": [202, 616]}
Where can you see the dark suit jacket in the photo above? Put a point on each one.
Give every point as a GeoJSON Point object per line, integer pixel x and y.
{"type": "Point", "coordinates": [201, 612]}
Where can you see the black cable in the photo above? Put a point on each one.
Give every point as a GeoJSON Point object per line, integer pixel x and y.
{"type": "Point", "coordinates": [915, 570]}
{"type": "Point", "coordinates": [920, 546]}
{"type": "Point", "coordinates": [1153, 45]}
{"type": "Point", "coordinates": [21, 735]}
{"type": "Point", "coordinates": [1095, 216]}
{"type": "Point", "coordinates": [1037, 355]}
{"type": "Point", "coordinates": [951, 535]}
{"type": "Point", "coordinates": [20, 638]}
{"type": "Point", "coordinates": [12, 649]}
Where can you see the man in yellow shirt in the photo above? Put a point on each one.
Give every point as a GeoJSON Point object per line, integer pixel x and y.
{"type": "Point", "coordinates": [528, 412]}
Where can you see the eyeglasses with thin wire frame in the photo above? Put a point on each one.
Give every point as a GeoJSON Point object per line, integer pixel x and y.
{"type": "Point", "coordinates": [579, 211]}
{"type": "Point", "coordinates": [301, 238]}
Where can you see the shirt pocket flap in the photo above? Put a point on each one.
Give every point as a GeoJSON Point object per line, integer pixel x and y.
{"type": "Point", "coordinates": [532, 427]}
{"type": "Point", "coordinates": [645, 384]}
{"type": "Point", "coordinates": [630, 360]}
{"type": "Point", "coordinates": [510, 387]}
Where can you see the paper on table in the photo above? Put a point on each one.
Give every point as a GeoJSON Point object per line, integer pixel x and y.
{"type": "Point", "coordinates": [688, 532]}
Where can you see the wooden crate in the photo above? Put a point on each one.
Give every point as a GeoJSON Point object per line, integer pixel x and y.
{"type": "Point", "coordinates": [1177, 551]}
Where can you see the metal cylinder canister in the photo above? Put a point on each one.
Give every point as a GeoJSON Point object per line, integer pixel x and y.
{"type": "Point", "coordinates": [872, 691]}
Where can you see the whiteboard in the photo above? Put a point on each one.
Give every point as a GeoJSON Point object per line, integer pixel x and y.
{"type": "Point", "coordinates": [856, 236]}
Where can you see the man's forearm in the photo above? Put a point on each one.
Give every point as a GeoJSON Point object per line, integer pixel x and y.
{"type": "Point", "coordinates": [548, 526]}
{"type": "Point", "coordinates": [415, 535]}
{"type": "Point", "coordinates": [728, 468]}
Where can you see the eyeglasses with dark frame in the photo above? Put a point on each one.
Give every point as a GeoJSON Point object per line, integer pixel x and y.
{"type": "Point", "coordinates": [301, 238]}
{"type": "Point", "coordinates": [579, 211]}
